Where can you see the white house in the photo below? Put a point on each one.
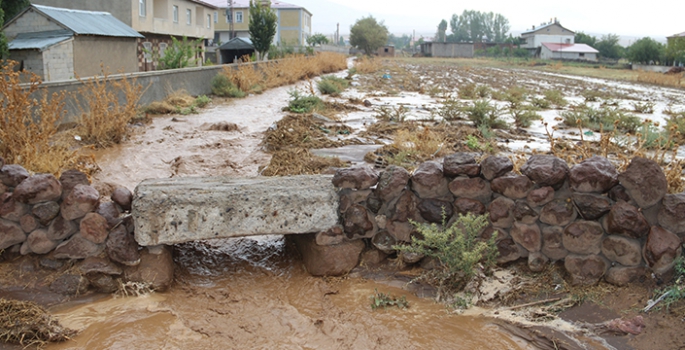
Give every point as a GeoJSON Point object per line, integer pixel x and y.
{"type": "Point", "coordinates": [552, 32]}
{"type": "Point", "coordinates": [554, 51]}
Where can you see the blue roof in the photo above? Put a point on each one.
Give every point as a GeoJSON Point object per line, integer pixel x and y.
{"type": "Point", "coordinates": [88, 22]}
{"type": "Point", "coordinates": [39, 40]}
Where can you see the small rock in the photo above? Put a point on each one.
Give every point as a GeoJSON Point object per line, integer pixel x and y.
{"type": "Point", "coordinates": [585, 269]}
{"type": "Point", "coordinates": [645, 182]}
{"type": "Point", "coordinates": [661, 250]}
{"type": "Point", "coordinates": [623, 250]}
{"type": "Point", "coordinates": [11, 209]}
{"type": "Point", "coordinates": [77, 247]}
{"type": "Point", "coordinates": [358, 223]}
{"type": "Point", "coordinates": [405, 208]}
{"type": "Point", "coordinates": [523, 213]}
{"type": "Point", "coordinates": [122, 248]}
{"type": "Point", "coordinates": [38, 188]}
{"type": "Point", "coordinates": [80, 201]}
{"type": "Point", "coordinates": [537, 262]}
{"type": "Point", "coordinates": [70, 178]}
{"type": "Point", "coordinates": [622, 276]}
{"type": "Point", "coordinates": [51, 264]}
{"type": "Point", "coordinates": [501, 212]}
{"type": "Point", "coordinates": [123, 197]}
{"type": "Point", "coordinates": [625, 219]}
{"type": "Point", "coordinates": [94, 228]}
{"type": "Point", "coordinates": [428, 180]}
{"type": "Point", "coordinates": [99, 265]}
{"type": "Point", "coordinates": [156, 270]}
{"type": "Point", "coordinates": [10, 234]}
{"type": "Point", "coordinates": [596, 174]}
{"type": "Point", "coordinates": [402, 231]}
{"type": "Point", "coordinates": [591, 206]}
{"type": "Point", "coordinates": [473, 188]}
{"type": "Point", "coordinates": [29, 223]}
{"type": "Point", "coordinates": [45, 212]}
{"type": "Point", "coordinates": [546, 170]}
{"type": "Point", "coordinates": [461, 164]}
{"type": "Point", "coordinates": [465, 206]}
{"type": "Point", "coordinates": [110, 212]}
{"type": "Point", "coordinates": [70, 285]}
{"type": "Point", "coordinates": [512, 186]}
{"type": "Point", "coordinates": [61, 229]}
{"type": "Point", "coordinates": [334, 260]}
{"type": "Point", "coordinates": [552, 243]}
{"type": "Point", "coordinates": [508, 251]}
{"type": "Point", "coordinates": [103, 283]}
{"type": "Point", "coordinates": [540, 197]}
{"type": "Point", "coordinates": [558, 212]}
{"type": "Point", "coordinates": [392, 182]}
{"type": "Point", "coordinates": [39, 243]}
{"type": "Point", "coordinates": [528, 236]}
{"type": "Point", "coordinates": [672, 213]}
{"type": "Point", "coordinates": [619, 193]}
{"type": "Point", "coordinates": [12, 175]}
{"type": "Point", "coordinates": [359, 177]}
{"type": "Point", "coordinates": [373, 257]}
{"type": "Point", "coordinates": [583, 237]}
{"type": "Point", "coordinates": [435, 210]}
{"type": "Point", "coordinates": [410, 258]}
{"type": "Point", "coordinates": [384, 242]}
{"type": "Point", "coordinates": [493, 167]}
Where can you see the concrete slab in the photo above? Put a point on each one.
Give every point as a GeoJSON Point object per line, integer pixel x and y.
{"type": "Point", "coordinates": [177, 210]}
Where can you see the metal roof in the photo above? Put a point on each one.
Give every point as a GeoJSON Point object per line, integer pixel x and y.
{"type": "Point", "coordinates": [237, 44]}
{"type": "Point", "coordinates": [39, 40]}
{"type": "Point", "coordinates": [545, 26]}
{"type": "Point", "coordinates": [246, 4]}
{"type": "Point", "coordinates": [580, 48]}
{"type": "Point", "coordinates": [88, 22]}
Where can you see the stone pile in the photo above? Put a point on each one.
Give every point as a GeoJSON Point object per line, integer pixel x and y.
{"type": "Point", "coordinates": [66, 219]}
{"type": "Point", "coordinates": [599, 222]}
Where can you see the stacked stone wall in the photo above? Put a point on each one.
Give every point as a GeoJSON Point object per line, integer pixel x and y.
{"type": "Point", "coordinates": [599, 222]}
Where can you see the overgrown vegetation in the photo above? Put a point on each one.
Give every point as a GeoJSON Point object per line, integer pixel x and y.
{"type": "Point", "coordinates": [332, 85]}
{"type": "Point", "coordinates": [458, 249]}
{"type": "Point", "coordinates": [304, 103]}
{"type": "Point", "coordinates": [602, 118]}
{"type": "Point", "coordinates": [383, 300]}
{"type": "Point", "coordinates": [181, 54]}
{"type": "Point", "coordinates": [676, 292]}
{"type": "Point", "coordinates": [224, 87]}
{"type": "Point", "coordinates": [485, 114]}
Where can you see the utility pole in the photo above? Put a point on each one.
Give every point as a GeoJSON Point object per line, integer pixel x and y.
{"type": "Point", "coordinates": [337, 35]}
{"type": "Point", "coordinates": [229, 16]}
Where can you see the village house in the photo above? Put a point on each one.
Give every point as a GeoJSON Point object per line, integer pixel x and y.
{"type": "Point", "coordinates": [576, 52]}
{"type": "Point", "coordinates": [293, 27]}
{"type": "Point", "coordinates": [156, 20]}
{"type": "Point", "coordinates": [552, 32]}
{"type": "Point", "coordinates": [61, 44]}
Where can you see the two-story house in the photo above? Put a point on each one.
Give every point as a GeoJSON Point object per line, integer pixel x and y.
{"type": "Point", "coordinates": [156, 20]}
{"type": "Point", "coordinates": [294, 24]}
{"type": "Point", "coordinates": [552, 32]}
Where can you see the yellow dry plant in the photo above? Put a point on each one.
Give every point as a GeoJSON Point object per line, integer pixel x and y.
{"type": "Point", "coordinates": [672, 80]}
{"type": "Point", "coordinates": [365, 65]}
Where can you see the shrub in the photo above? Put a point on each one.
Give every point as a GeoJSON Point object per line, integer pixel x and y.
{"type": "Point", "coordinates": [555, 98]}
{"type": "Point", "coordinates": [643, 107]}
{"type": "Point", "coordinates": [304, 104]}
{"type": "Point", "coordinates": [332, 85]}
{"type": "Point", "coordinates": [451, 110]}
{"type": "Point", "coordinates": [485, 114]}
{"type": "Point", "coordinates": [523, 118]}
{"type": "Point", "coordinates": [515, 96]}
{"type": "Point", "coordinates": [382, 300]}
{"type": "Point", "coordinates": [540, 103]}
{"type": "Point", "coordinates": [457, 249]}
{"type": "Point", "coordinates": [604, 118]}
{"type": "Point", "coordinates": [223, 86]}
{"type": "Point", "coordinates": [468, 92]}
{"type": "Point", "coordinates": [202, 101]}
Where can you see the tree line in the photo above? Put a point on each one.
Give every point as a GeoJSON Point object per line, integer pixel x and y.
{"type": "Point", "coordinates": [645, 50]}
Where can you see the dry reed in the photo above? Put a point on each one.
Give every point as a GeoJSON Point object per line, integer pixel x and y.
{"type": "Point", "coordinates": [365, 65]}
{"type": "Point", "coordinates": [28, 324]}
{"type": "Point", "coordinates": [299, 161]}
{"type": "Point", "coordinates": [672, 80]}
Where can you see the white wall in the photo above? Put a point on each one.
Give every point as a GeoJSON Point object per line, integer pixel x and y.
{"type": "Point", "coordinates": [537, 40]}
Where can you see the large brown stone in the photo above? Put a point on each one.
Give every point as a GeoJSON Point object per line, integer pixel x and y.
{"type": "Point", "coordinates": [625, 219]}
{"type": "Point", "coordinates": [435, 210]}
{"type": "Point", "coordinates": [61, 229]}
{"type": "Point", "coordinates": [359, 177]}
{"type": "Point", "coordinates": [524, 213]}
{"type": "Point", "coordinates": [103, 283]}
{"type": "Point", "coordinates": [45, 212]}
{"type": "Point", "coordinates": [94, 228]}
{"type": "Point", "coordinates": [501, 212]}
{"type": "Point", "coordinates": [29, 223]}
{"type": "Point", "coordinates": [623, 250]}
{"type": "Point", "coordinates": [156, 268]}
{"type": "Point", "coordinates": [512, 186]}
{"type": "Point", "coordinates": [552, 242]}
{"type": "Point", "coordinates": [537, 262]}
{"type": "Point", "coordinates": [39, 243]}
{"type": "Point", "coordinates": [528, 236]}
{"type": "Point", "coordinates": [585, 269]}
{"type": "Point", "coordinates": [645, 182]}
{"type": "Point", "coordinates": [392, 182]}
{"type": "Point", "coordinates": [546, 170]}
{"type": "Point", "coordinates": [121, 247]}
{"type": "Point", "coordinates": [405, 208]}
{"type": "Point", "coordinates": [110, 212]}
{"type": "Point", "coordinates": [583, 237]}
{"type": "Point", "coordinates": [11, 209]}
{"type": "Point", "coordinates": [461, 164]}
{"type": "Point", "coordinates": [334, 260]}
{"type": "Point", "coordinates": [38, 188]}
{"type": "Point", "coordinates": [428, 181]}
{"type": "Point", "coordinates": [596, 174]}
{"type": "Point", "coordinates": [77, 247]}
{"type": "Point", "coordinates": [493, 167]}
{"type": "Point", "coordinates": [622, 276]}
{"type": "Point", "coordinates": [99, 265]}
{"type": "Point", "coordinates": [70, 178]}
{"type": "Point", "coordinates": [358, 223]}
{"type": "Point", "coordinates": [619, 193]}
{"type": "Point", "coordinates": [558, 212]}
{"type": "Point", "coordinates": [11, 175]}
{"type": "Point", "coordinates": [661, 249]}
{"type": "Point", "coordinates": [591, 206]}
{"type": "Point", "coordinates": [540, 196]}
{"type": "Point", "coordinates": [508, 251]}
{"type": "Point", "coordinates": [474, 188]}
{"type": "Point", "coordinates": [332, 236]}
{"type": "Point", "coordinates": [349, 197]}
{"type": "Point", "coordinates": [672, 213]}
{"type": "Point", "coordinates": [384, 241]}
{"type": "Point", "coordinates": [70, 285]}
{"type": "Point", "coordinates": [10, 234]}
{"type": "Point", "coordinates": [123, 197]}
{"type": "Point", "coordinates": [402, 231]}
{"type": "Point", "coordinates": [465, 206]}
{"type": "Point", "coordinates": [79, 202]}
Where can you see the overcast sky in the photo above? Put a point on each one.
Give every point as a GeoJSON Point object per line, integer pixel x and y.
{"type": "Point", "coordinates": [656, 18]}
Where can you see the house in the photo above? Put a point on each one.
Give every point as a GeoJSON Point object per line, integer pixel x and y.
{"type": "Point", "coordinates": [293, 27]}
{"type": "Point", "coordinates": [577, 52]}
{"type": "Point", "coordinates": [156, 20]}
{"type": "Point", "coordinates": [552, 32]}
{"type": "Point", "coordinates": [59, 44]}
{"type": "Point", "coordinates": [438, 49]}
{"type": "Point", "coordinates": [676, 48]}
{"type": "Point", "coordinates": [235, 49]}
{"type": "Point", "coordinates": [386, 51]}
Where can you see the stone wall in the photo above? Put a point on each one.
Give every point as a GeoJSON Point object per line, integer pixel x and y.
{"type": "Point", "coordinates": [599, 222]}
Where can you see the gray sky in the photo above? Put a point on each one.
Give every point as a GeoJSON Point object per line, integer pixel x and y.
{"type": "Point", "coordinates": [656, 18]}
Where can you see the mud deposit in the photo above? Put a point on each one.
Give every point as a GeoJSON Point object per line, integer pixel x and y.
{"type": "Point", "coordinates": [254, 294]}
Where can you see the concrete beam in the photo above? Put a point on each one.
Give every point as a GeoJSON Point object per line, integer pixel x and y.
{"type": "Point", "coordinates": [176, 210]}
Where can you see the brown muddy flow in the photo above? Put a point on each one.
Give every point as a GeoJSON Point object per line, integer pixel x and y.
{"type": "Point", "coordinates": [254, 294]}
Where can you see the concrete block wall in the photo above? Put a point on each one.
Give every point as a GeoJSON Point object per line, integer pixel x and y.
{"type": "Point", "coordinates": [28, 23]}
{"type": "Point", "coordinates": [58, 61]}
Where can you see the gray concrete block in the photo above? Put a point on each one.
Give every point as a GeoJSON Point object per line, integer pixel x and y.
{"type": "Point", "coordinates": [169, 211]}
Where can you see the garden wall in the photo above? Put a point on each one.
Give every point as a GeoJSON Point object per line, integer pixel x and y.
{"type": "Point", "coordinates": [601, 223]}
{"type": "Point", "coordinates": [651, 68]}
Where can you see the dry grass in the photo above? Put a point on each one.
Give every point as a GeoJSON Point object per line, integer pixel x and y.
{"type": "Point", "coordinates": [28, 324]}
{"type": "Point", "coordinates": [29, 124]}
{"type": "Point", "coordinates": [301, 131]}
{"type": "Point", "coordinates": [671, 80]}
{"type": "Point", "coordinates": [104, 118]}
{"type": "Point", "coordinates": [366, 65]}
{"type": "Point", "coordinates": [299, 161]}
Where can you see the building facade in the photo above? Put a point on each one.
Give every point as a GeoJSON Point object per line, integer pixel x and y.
{"type": "Point", "coordinates": [576, 52]}
{"type": "Point", "coordinates": [552, 32]}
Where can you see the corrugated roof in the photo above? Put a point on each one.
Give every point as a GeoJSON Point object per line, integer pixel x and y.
{"type": "Point", "coordinates": [39, 40]}
{"type": "Point", "coordinates": [679, 35]}
{"type": "Point", "coordinates": [580, 48]}
{"type": "Point", "coordinates": [88, 22]}
{"type": "Point", "coordinates": [238, 44]}
{"type": "Point", "coordinates": [246, 3]}
{"type": "Point", "coordinates": [545, 26]}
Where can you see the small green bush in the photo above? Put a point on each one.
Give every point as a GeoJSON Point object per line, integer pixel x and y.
{"type": "Point", "coordinates": [304, 104]}
{"type": "Point", "coordinates": [202, 101]}
{"type": "Point", "coordinates": [223, 86]}
{"type": "Point", "coordinates": [603, 118]}
{"type": "Point", "coordinates": [523, 118]}
{"type": "Point", "coordinates": [383, 300]}
{"type": "Point", "coordinates": [468, 91]}
{"type": "Point", "coordinates": [540, 103]}
{"type": "Point", "coordinates": [515, 96]}
{"type": "Point", "coordinates": [332, 85]}
{"type": "Point", "coordinates": [483, 113]}
{"type": "Point", "coordinates": [643, 107]}
{"type": "Point", "coordinates": [555, 98]}
{"type": "Point", "coordinates": [451, 110]}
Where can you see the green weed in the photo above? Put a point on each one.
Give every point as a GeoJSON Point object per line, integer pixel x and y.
{"type": "Point", "coordinates": [304, 104]}
{"type": "Point", "coordinates": [332, 85]}
{"type": "Point", "coordinates": [483, 113]}
{"type": "Point", "coordinates": [383, 300]}
{"type": "Point", "coordinates": [223, 86]}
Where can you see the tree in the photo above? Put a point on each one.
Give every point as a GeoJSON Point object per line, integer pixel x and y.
{"type": "Point", "coordinates": [262, 27]}
{"type": "Point", "coordinates": [399, 42]}
{"type": "Point", "coordinates": [608, 47]}
{"type": "Point", "coordinates": [675, 52]}
{"type": "Point", "coordinates": [317, 39]}
{"type": "Point", "coordinates": [476, 26]}
{"type": "Point", "coordinates": [645, 50]}
{"type": "Point", "coordinates": [582, 38]}
{"type": "Point", "coordinates": [441, 35]}
{"type": "Point", "coordinates": [368, 35]}
{"type": "Point", "coordinates": [181, 54]}
{"type": "Point", "coordinates": [13, 7]}
{"type": "Point", "coordinates": [4, 50]}
{"type": "Point", "coordinates": [341, 42]}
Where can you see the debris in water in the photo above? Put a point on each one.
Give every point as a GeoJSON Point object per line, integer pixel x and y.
{"type": "Point", "coordinates": [27, 324]}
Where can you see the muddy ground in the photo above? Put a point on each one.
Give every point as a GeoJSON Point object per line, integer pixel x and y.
{"type": "Point", "coordinates": [254, 293]}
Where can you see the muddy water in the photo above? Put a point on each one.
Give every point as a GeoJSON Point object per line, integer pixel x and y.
{"type": "Point", "coordinates": [254, 294]}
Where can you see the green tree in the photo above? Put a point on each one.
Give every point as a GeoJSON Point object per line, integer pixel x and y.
{"type": "Point", "coordinates": [367, 34]}
{"type": "Point", "coordinates": [262, 27]}
{"type": "Point", "coordinates": [317, 39]}
{"type": "Point", "coordinates": [399, 42]}
{"type": "Point", "coordinates": [181, 54]}
{"type": "Point", "coordinates": [13, 7]}
{"type": "Point", "coordinates": [645, 50]}
{"type": "Point", "coordinates": [476, 26]}
{"type": "Point", "coordinates": [582, 38]}
{"type": "Point", "coordinates": [4, 51]}
{"type": "Point", "coordinates": [341, 42]}
{"type": "Point", "coordinates": [675, 52]}
{"type": "Point", "coordinates": [441, 35]}
{"type": "Point", "coordinates": [608, 47]}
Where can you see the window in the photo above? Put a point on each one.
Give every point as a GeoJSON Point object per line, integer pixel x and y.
{"type": "Point", "coordinates": [162, 49]}
{"type": "Point", "coordinates": [216, 16]}
{"type": "Point", "coordinates": [239, 17]}
{"type": "Point", "coordinates": [568, 41]}
{"type": "Point", "coordinates": [582, 54]}
{"type": "Point", "coordinates": [147, 51]}
{"type": "Point", "coordinates": [229, 16]}
{"type": "Point", "coordinates": [189, 16]}
{"type": "Point", "coordinates": [175, 14]}
{"type": "Point", "coordinates": [209, 21]}
{"type": "Point", "coordinates": [142, 7]}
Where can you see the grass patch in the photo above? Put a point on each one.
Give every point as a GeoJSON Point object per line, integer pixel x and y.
{"type": "Point", "coordinates": [224, 87]}
{"type": "Point", "coordinates": [523, 118]}
{"type": "Point", "coordinates": [332, 85]}
{"type": "Point", "coordinates": [643, 107]}
{"type": "Point", "coordinates": [451, 110]}
{"type": "Point", "coordinates": [367, 65]}
{"type": "Point", "coordinates": [602, 118]}
{"type": "Point", "coordinates": [483, 113]}
{"type": "Point", "coordinates": [304, 103]}
{"type": "Point", "coordinates": [382, 300]}
{"type": "Point", "coordinates": [671, 80]}
{"type": "Point", "coordinates": [27, 324]}
{"type": "Point", "coordinates": [555, 98]}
